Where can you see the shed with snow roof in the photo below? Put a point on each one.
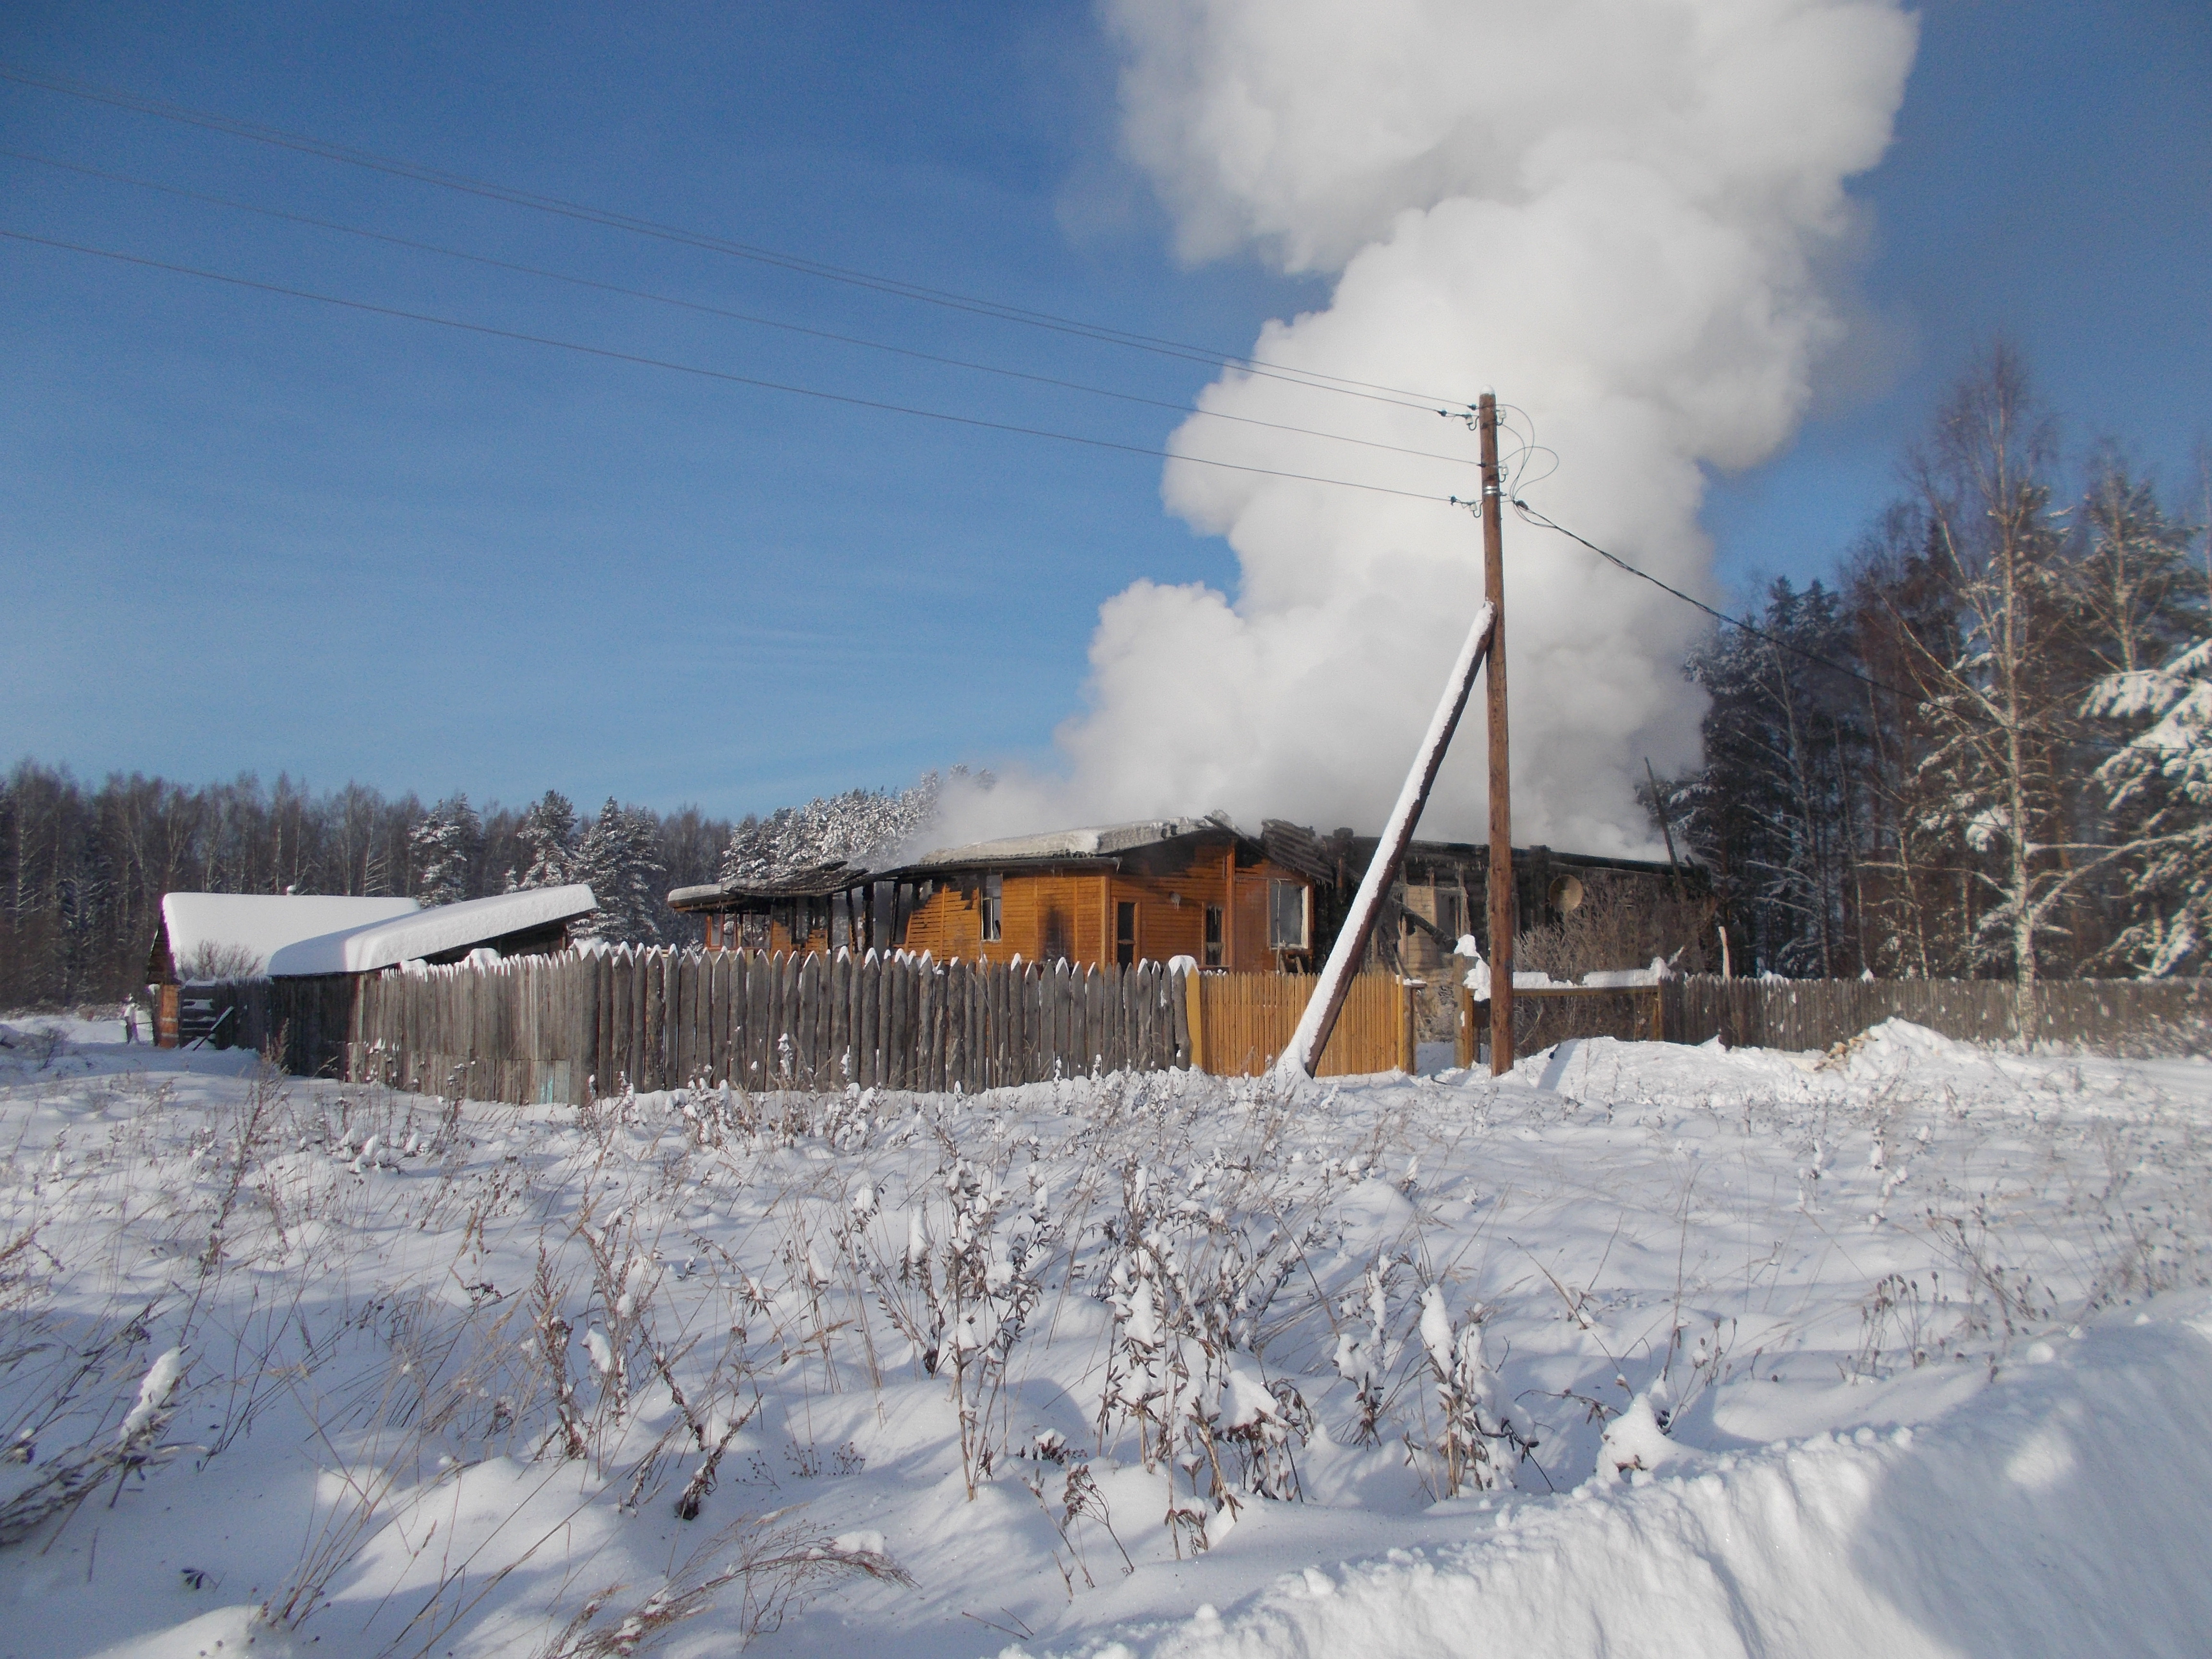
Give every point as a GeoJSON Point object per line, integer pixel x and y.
{"type": "Point", "coordinates": [211, 936]}
{"type": "Point", "coordinates": [533, 921]}
{"type": "Point", "coordinates": [208, 937]}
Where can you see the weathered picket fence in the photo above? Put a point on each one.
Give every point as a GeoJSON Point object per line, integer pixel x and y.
{"type": "Point", "coordinates": [570, 1027]}
{"type": "Point", "coordinates": [2106, 1016]}
{"type": "Point", "coordinates": [566, 1027]}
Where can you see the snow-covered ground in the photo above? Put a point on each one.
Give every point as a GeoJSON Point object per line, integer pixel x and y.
{"type": "Point", "coordinates": [1645, 1350]}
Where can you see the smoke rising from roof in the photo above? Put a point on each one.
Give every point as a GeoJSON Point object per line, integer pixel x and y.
{"type": "Point", "coordinates": [1613, 212]}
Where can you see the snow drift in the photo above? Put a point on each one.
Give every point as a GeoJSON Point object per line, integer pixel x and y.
{"type": "Point", "coordinates": [2036, 1518]}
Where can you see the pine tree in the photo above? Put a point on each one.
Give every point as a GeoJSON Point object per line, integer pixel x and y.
{"type": "Point", "coordinates": [860, 827]}
{"type": "Point", "coordinates": [620, 857]}
{"type": "Point", "coordinates": [2160, 786]}
{"type": "Point", "coordinates": [1772, 811]}
{"type": "Point", "coordinates": [548, 830]}
{"type": "Point", "coordinates": [445, 845]}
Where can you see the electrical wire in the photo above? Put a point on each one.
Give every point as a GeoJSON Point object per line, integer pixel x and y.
{"type": "Point", "coordinates": [613, 355]}
{"type": "Point", "coordinates": [977, 305]}
{"type": "Point", "coordinates": [713, 311]}
{"type": "Point", "coordinates": [1530, 515]}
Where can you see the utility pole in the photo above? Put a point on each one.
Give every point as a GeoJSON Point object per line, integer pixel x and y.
{"type": "Point", "coordinates": [1501, 795]}
{"type": "Point", "coordinates": [1301, 1056]}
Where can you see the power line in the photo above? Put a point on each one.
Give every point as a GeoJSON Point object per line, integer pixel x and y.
{"type": "Point", "coordinates": [977, 305]}
{"type": "Point", "coordinates": [713, 311]}
{"type": "Point", "coordinates": [1532, 516]}
{"type": "Point", "coordinates": [693, 368]}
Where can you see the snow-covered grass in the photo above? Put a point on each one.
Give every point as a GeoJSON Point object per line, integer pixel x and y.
{"type": "Point", "coordinates": [1644, 1349]}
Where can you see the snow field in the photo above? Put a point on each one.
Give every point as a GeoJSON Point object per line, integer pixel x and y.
{"type": "Point", "coordinates": [1644, 1348]}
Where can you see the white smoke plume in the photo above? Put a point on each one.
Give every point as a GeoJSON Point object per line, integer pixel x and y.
{"type": "Point", "coordinates": [1614, 212]}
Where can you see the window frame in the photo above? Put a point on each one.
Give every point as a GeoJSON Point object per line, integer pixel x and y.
{"type": "Point", "coordinates": [1275, 939]}
{"type": "Point", "coordinates": [991, 910]}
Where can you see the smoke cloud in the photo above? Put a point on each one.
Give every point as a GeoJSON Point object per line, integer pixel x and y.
{"type": "Point", "coordinates": [1615, 212]}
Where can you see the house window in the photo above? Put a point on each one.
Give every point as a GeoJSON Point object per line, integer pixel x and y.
{"type": "Point", "coordinates": [1286, 915]}
{"type": "Point", "coordinates": [1213, 936]}
{"type": "Point", "coordinates": [994, 907]}
{"type": "Point", "coordinates": [1125, 933]}
{"type": "Point", "coordinates": [1451, 919]}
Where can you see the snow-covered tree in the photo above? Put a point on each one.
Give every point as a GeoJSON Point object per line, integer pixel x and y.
{"type": "Point", "coordinates": [620, 857]}
{"type": "Point", "coordinates": [1772, 810]}
{"type": "Point", "coordinates": [2159, 786]}
{"type": "Point", "coordinates": [2002, 694]}
{"type": "Point", "coordinates": [444, 847]}
{"type": "Point", "coordinates": [548, 833]}
{"type": "Point", "coordinates": [2139, 593]}
{"type": "Point", "coordinates": [860, 827]}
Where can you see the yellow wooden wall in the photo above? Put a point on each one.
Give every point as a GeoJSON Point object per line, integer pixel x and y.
{"type": "Point", "coordinates": [1247, 1019]}
{"type": "Point", "coordinates": [1170, 918]}
{"type": "Point", "coordinates": [950, 924]}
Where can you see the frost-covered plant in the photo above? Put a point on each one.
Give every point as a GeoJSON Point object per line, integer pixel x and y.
{"type": "Point", "coordinates": [447, 1384]}
{"type": "Point", "coordinates": [551, 1332]}
{"type": "Point", "coordinates": [623, 1279]}
{"type": "Point", "coordinates": [76, 1474]}
{"type": "Point", "coordinates": [985, 1283]}
{"type": "Point", "coordinates": [1190, 1281]}
{"type": "Point", "coordinates": [1892, 1320]}
{"type": "Point", "coordinates": [1476, 1445]}
{"type": "Point", "coordinates": [776, 1567]}
{"type": "Point", "coordinates": [1367, 1361]}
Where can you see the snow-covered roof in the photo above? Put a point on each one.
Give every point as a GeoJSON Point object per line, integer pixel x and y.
{"type": "Point", "coordinates": [1102, 842]}
{"type": "Point", "coordinates": [814, 881]}
{"type": "Point", "coordinates": [252, 928]}
{"type": "Point", "coordinates": [434, 932]}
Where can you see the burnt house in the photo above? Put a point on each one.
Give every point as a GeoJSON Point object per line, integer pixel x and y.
{"type": "Point", "coordinates": [1150, 891]}
{"type": "Point", "coordinates": [1124, 893]}
{"type": "Point", "coordinates": [1441, 893]}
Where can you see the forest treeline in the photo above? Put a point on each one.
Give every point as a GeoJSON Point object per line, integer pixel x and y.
{"type": "Point", "coordinates": [1982, 748]}
{"type": "Point", "coordinates": [82, 868]}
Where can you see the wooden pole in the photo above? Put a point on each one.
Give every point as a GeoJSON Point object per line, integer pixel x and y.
{"type": "Point", "coordinates": [1501, 795]}
{"type": "Point", "coordinates": [1301, 1056]}
{"type": "Point", "coordinates": [1666, 829]}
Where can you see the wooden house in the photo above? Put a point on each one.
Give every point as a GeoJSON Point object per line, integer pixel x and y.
{"type": "Point", "coordinates": [1441, 894]}
{"type": "Point", "coordinates": [1151, 891]}
{"type": "Point", "coordinates": [1125, 893]}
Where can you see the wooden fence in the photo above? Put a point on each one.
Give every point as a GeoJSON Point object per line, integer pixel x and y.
{"type": "Point", "coordinates": [564, 1027]}
{"type": "Point", "coordinates": [1244, 1021]}
{"type": "Point", "coordinates": [2115, 1017]}
{"type": "Point", "coordinates": [569, 1027]}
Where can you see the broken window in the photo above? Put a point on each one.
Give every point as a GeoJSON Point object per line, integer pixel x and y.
{"type": "Point", "coordinates": [1213, 919]}
{"type": "Point", "coordinates": [1125, 933]}
{"type": "Point", "coordinates": [1286, 915]}
{"type": "Point", "coordinates": [992, 907]}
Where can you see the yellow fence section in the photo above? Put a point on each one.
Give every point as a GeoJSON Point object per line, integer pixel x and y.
{"type": "Point", "coordinates": [1241, 1023]}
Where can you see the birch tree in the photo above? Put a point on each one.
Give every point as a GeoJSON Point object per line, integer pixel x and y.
{"type": "Point", "coordinates": [2003, 713]}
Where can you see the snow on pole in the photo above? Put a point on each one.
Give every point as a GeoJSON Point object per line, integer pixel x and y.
{"type": "Point", "coordinates": [1303, 1053]}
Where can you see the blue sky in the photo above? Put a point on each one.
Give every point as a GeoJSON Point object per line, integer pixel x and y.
{"type": "Point", "coordinates": [244, 532]}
